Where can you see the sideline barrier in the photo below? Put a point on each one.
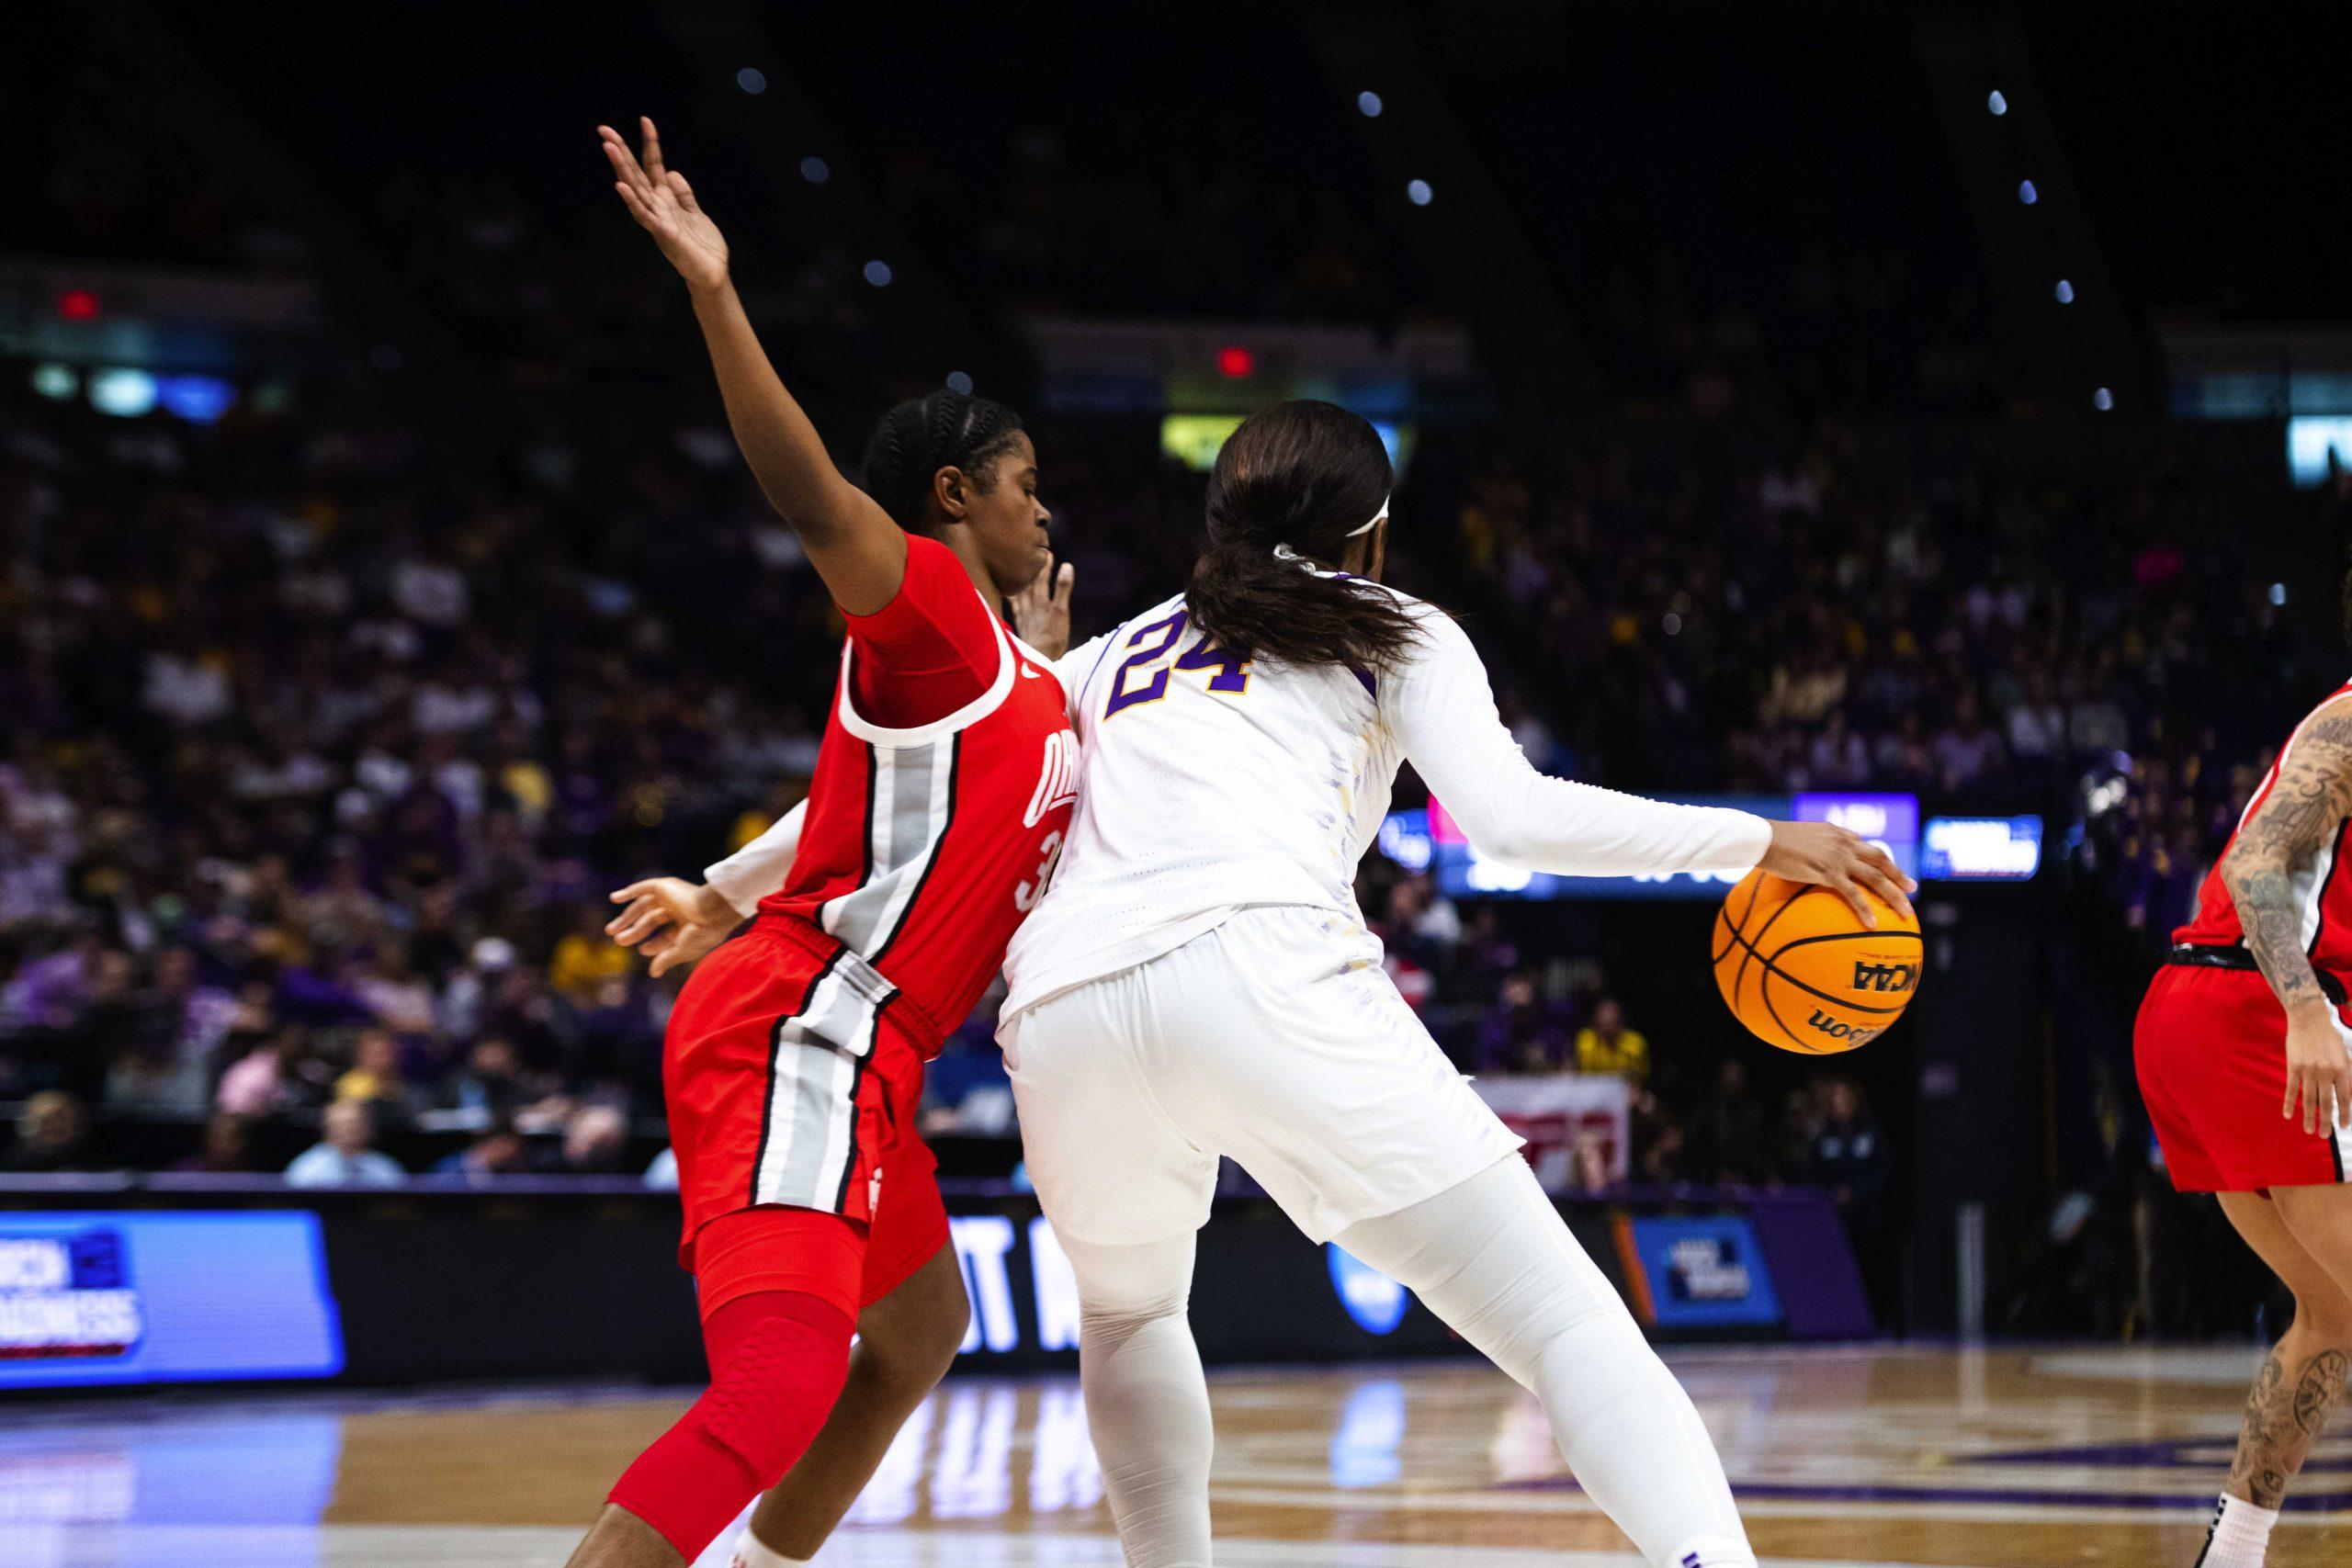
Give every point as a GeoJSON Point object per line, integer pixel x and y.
{"type": "Point", "coordinates": [119, 1282]}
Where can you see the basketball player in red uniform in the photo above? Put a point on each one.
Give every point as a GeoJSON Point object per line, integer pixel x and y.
{"type": "Point", "coordinates": [794, 1059]}
{"type": "Point", "coordinates": [2242, 1059]}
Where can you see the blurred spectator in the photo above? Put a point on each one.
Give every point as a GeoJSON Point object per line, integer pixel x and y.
{"type": "Point", "coordinates": [1729, 1141]}
{"type": "Point", "coordinates": [594, 1142]}
{"type": "Point", "coordinates": [1793, 1134]}
{"type": "Point", "coordinates": [1850, 1158]}
{"type": "Point", "coordinates": [345, 1156]}
{"type": "Point", "coordinates": [227, 1148]}
{"type": "Point", "coordinates": [1606, 1048]}
{"type": "Point", "coordinates": [1419, 926]}
{"type": "Point", "coordinates": [1967, 752]}
{"type": "Point", "coordinates": [490, 1087]}
{"type": "Point", "coordinates": [498, 1152]}
{"type": "Point", "coordinates": [1657, 1139]}
{"type": "Point", "coordinates": [1589, 1165]}
{"type": "Point", "coordinates": [1838, 758]}
{"type": "Point", "coordinates": [259, 1082]}
{"type": "Point", "coordinates": [585, 957]}
{"type": "Point", "coordinates": [2037, 736]}
{"type": "Point", "coordinates": [1520, 1032]}
{"type": "Point", "coordinates": [375, 1074]}
{"type": "Point", "coordinates": [50, 1131]}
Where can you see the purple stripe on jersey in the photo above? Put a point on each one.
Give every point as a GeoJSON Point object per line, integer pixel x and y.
{"type": "Point", "coordinates": [1095, 669]}
{"type": "Point", "coordinates": [1097, 662]}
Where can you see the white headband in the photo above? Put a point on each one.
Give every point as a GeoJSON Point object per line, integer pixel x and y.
{"type": "Point", "coordinates": [1283, 552]}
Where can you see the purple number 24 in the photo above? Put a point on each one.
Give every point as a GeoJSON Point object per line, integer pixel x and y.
{"type": "Point", "coordinates": [1150, 644]}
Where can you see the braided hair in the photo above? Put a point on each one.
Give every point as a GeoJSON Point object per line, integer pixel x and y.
{"type": "Point", "coordinates": [1309, 475]}
{"type": "Point", "coordinates": [923, 435]}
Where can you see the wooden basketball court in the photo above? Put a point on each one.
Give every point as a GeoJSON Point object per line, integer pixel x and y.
{"type": "Point", "coordinates": [1852, 1457]}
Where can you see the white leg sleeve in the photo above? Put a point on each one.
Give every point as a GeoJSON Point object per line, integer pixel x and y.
{"type": "Point", "coordinates": [1494, 1259]}
{"type": "Point", "coordinates": [1147, 1399]}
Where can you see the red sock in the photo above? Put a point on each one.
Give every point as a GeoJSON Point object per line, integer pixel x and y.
{"type": "Point", "coordinates": [778, 1360]}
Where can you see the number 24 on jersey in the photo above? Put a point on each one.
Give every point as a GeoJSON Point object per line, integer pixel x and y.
{"type": "Point", "coordinates": [1143, 678]}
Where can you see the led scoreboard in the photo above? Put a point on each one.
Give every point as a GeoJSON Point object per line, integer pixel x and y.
{"type": "Point", "coordinates": [1941, 848]}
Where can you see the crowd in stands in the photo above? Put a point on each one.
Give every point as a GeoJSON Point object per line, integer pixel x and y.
{"type": "Point", "coordinates": [2152, 829]}
{"type": "Point", "coordinates": [1831, 617]}
{"type": "Point", "coordinates": [328, 728]}
{"type": "Point", "coordinates": [325, 748]}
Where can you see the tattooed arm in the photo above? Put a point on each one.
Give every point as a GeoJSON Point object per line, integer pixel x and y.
{"type": "Point", "coordinates": [2294, 823]}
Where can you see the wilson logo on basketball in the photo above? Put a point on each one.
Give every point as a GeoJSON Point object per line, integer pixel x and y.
{"type": "Point", "coordinates": [1799, 967]}
{"type": "Point", "coordinates": [1885, 976]}
{"type": "Point", "coordinates": [1852, 1034]}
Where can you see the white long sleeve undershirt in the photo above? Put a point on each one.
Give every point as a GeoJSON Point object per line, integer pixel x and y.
{"type": "Point", "coordinates": [1441, 707]}
{"type": "Point", "coordinates": [759, 868]}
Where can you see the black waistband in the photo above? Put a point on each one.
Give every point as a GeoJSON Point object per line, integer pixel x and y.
{"type": "Point", "coordinates": [2231, 956]}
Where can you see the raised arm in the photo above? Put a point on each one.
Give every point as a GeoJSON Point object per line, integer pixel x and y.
{"type": "Point", "coordinates": [851, 542]}
{"type": "Point", "coordinates": [1443, 707]}
{"type": "Point", "coordinates": [2285, 833]}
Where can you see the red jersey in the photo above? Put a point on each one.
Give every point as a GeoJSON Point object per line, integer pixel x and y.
{"type": "Point", "coordinates": [925, 847]}
{"type": "Point", "coordinates": [2322, 889]}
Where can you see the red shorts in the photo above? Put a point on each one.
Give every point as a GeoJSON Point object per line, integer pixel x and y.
{"type": "Point", "coordinates": [789, 1085]}
{"type": "Point", "coordinates": [2211, 1046]}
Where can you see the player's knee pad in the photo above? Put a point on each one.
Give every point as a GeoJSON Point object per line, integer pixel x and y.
{"type": "Point", "coordinates": [779, 1362]}
{"type": "Point", "coordinates": [767, 1403]}
{"type": "Point", "coordinates": [1594, 1352]}
{"type": "Point", "coordinates": [1121, 1289]}
{"type": "Point", "coordinates": [1494, 1259]}
{"type": "Point", "coordinates": [1553, 1310]}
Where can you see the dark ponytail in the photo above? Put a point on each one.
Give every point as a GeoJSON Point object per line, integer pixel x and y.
{"type": "Point", "coordinates": [1307, 475]}
{"type": "Point", "coordinates": [923, 435]}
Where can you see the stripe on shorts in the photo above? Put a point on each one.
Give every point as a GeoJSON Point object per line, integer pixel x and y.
{"type": "Point", "coordinates": [909, 797]}
{"type": "Point", "coordinates": [2339, 1137]}
{"type": "Point", "coordinates": [816, 1064]}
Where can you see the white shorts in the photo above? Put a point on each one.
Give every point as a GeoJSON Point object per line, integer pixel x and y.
{"type": "Point", "coordinates": [1275, 1039]}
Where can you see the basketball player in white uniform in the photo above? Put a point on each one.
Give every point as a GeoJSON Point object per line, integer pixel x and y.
{"type": "Point", "coordinates": [1198, 982]}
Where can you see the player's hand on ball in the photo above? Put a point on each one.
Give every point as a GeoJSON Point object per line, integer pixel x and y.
{"type": "Point", "coordinates": [1842, 861]}
{"type": "Point", "coordinates": [664, 207]}
{"type": "Point", "coordinates": [674, 921]}
{"type": "Point", "coordinates": [1041, 610]}
{"type": "Point", "coordinates": [2319, 1070]}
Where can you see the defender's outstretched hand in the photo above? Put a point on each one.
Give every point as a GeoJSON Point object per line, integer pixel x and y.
{"type": "Point", "coordinates": [664, 207]}
{"type": "Point", "coordinates": [1841, 860]}
{"type": "Point", "coordinates": [674, 920]}
{"type": "Point", "coordinates": [1041, 610]}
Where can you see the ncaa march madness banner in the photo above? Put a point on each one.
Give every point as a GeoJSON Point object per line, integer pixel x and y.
{"type": "Point", "coordinates": [100, 1297]}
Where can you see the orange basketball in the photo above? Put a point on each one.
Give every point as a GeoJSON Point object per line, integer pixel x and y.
{"type": "Point", "coordinates": [1798, 967]}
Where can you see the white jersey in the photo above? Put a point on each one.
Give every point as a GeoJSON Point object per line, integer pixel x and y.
{"type": "Point", "coordinates": [1209, 783]}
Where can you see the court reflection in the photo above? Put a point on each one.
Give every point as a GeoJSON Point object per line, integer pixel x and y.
{"type": "Point", "coordinates": [1872, 1456]}
{"type": "Point", "coordinates": [985, 1449]}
